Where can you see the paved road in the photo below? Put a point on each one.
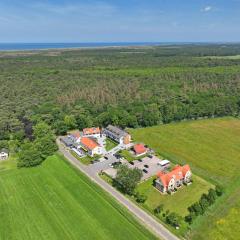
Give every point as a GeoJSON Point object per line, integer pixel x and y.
{"type": "Point", "coordinates": [141, 215]}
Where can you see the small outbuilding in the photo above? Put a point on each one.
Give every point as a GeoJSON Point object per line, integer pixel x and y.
{"type": "Point", "coordinates": [4, 154]}
{"type": "Point", "coordinates": [139, 149]}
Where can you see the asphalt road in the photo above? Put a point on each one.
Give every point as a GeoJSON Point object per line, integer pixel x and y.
{"type": "Point", "coordinates": [147, 220]}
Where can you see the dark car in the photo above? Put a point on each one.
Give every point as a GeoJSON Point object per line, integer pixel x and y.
{"type": "Point", "coordinates": [150, 156]}
{"type": "Point", "coordinates": [140, 160]}
{"type": "Point", "coordinates": [132, 163]}
{"type": "Point", "coordinates": [146, 166]}
{"type": "Point", "coordinates": [106, 157]}
{"type": "Point", "coordinates": [117, 156]}
{"type": "Point", "coordinates": [94, 161]}
{"type": "Point", "coordinates": [145, 171]}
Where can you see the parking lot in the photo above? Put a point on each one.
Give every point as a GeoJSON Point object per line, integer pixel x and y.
{"type": "Point", "coordinates": [149, 166]}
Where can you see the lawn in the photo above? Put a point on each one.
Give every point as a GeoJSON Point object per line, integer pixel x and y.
{"type": "Point", "coordinates": [86, 159]}
{"type": "Point", "coordinates": [55, 201]}
{"type": "Point", "coordinates": [10, 163]}
{"type": "Point", "coordinates": [128, 156]}
{"type": "Point", "coordinates": [212, 148]}
{"type": "Point", "coordinates": [110, 144]}
{"type": "Point", "coordinates": [178, 202]}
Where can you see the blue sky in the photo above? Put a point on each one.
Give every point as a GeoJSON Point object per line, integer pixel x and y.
{"type": "Point", "coordinates": [115, 21]}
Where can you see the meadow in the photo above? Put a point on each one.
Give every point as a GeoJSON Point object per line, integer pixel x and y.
{"type": "Point", "coordinates": [212, 148]}
{"type": "Point", "coordinates": [55, 201]}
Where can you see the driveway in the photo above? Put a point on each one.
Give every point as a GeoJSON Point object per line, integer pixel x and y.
{"type": "Point", "coordinates": [147, 220]}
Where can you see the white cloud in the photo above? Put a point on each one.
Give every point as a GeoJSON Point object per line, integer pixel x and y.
{"type": "Point", "coordinates": [207, 9]}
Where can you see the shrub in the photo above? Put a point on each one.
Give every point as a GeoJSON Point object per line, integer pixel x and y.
{"type": "Point", "coordinates": [158, 209]}
{"type": "Point", "coordinates": [140, 198]}
{"type": "Point", "coordinates": [211, 196]}
{"type": "Point", "coordinates": [173, 219]}
{"type": "Point", "coordinates": [219, 190]}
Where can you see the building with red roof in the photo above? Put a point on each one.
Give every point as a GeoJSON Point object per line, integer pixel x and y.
{"type": "Point", "coordinates": [140, 149]}
{"type": "Point", "coordinates": [94, 131]}
{"type": "Point", "coordinates": [168, 182]}
{"type": "Point", "coordinates": [90, 146]}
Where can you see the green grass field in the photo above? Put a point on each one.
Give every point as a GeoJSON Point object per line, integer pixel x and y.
{"type": "Point", "coordinates": [110, 144]}
{"type": "Point", "coordinates": [178, 202]}
{"type": "Point", "coordinates": [212, 148]}
{"type": "Point", "coordinates": [55, 201]}
{"type": "Point", "coordinates": [85, 160]}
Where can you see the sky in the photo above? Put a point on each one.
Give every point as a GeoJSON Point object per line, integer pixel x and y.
{"type": "Point", "coordinates": [120, 21]}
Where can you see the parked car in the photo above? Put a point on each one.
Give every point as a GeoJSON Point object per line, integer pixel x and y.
{"type": "Point", "coordinates": [140, 160]}
{"type": "Point", "coordinates": [106, 157]}
{"type": "Point", "coordinates": [132, 163]}
{"type": "Point", "coordinates": [146, 166]}
{"type": "Point", "coordinates": [117, 156]}
{"type": "Point", "coordinates": [150, 156]}
{"type": "Point", "coordinates": [94, 161]}
{"type": "Point", "coordinates": [145, 171]}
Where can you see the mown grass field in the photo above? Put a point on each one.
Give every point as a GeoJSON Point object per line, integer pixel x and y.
{"type": "Point", "coordinates": [212, 148]}
{"type": "Point", "coordinates": [54, 201]}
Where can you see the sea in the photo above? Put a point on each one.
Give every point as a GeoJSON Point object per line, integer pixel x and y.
{"type": "Point", "coordinates": [42, 46]}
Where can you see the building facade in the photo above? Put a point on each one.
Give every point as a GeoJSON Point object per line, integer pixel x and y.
{"type": "Point", "coordinates": [169, 182]}
{"type": "Point", "coordinates": [90, 146]}
{"type": "Point", "coordinates": [94, 132]}
{"type": "Point", "coordinates": [117, 134]}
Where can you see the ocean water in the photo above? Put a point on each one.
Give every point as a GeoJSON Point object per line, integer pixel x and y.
{"type": "Point", "coordinates": [41, 46]}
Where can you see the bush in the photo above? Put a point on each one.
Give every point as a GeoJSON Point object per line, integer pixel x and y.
{"type": "Point", "coordinates": [206, 200]}
{"type": "Point", "coordinates": [158, 209]}
{"type": "Point", "coordinates": [219, 190]}
{"type": "Point", "coordinates": [173, 219]}
{"type": "Point", "coordinates": [140, 198]}
{"type": "Point", "coordinates": [211, 196]}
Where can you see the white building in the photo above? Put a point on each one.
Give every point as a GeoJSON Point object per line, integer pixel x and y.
{"type": "Point", "coordinates": [4, 154]}
{"type": "Point", "coordinates": [117, 134]}
{"type": "Point", "coordinates": [92, 132]}
{"type": "Point", "coordinates": [168, 182]}
{"type": "Point", "coordinates": [90, 146]}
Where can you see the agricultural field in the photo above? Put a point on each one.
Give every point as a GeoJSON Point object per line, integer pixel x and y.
{"type": "Point", "coordinates": [54, 201]}
{"type": "Point", "coordinates": [212, 148]}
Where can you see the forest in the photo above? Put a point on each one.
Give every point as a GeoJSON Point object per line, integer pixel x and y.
{"type": "Point", "coordinates": [127, 86]}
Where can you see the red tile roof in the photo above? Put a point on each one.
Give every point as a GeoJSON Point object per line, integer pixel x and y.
{"type": "Point", "coordinates": [89, 143]}
{"type": "Point", "coordinates": [139, 149]}
{"type": "Point", "coordinates": [177, 173]}
{"type": "Point", "coordinates": [88, 131]}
